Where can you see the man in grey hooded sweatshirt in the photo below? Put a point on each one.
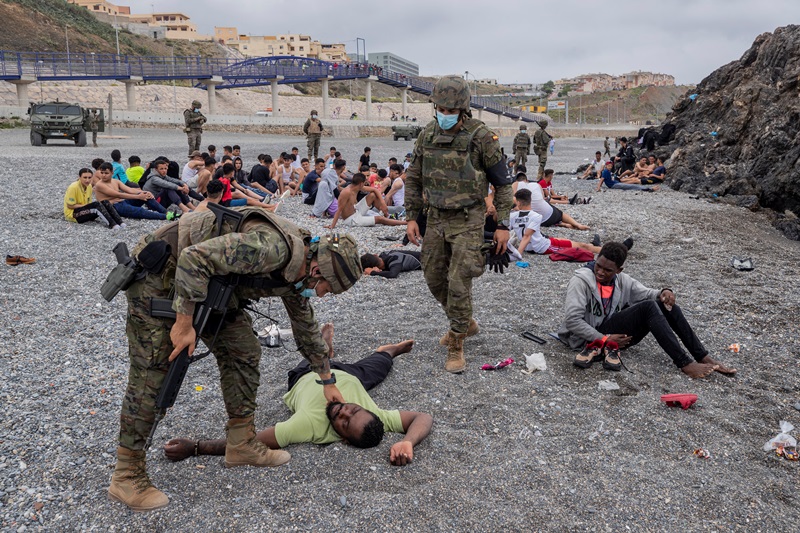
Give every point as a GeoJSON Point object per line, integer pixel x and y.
{"type": "Point", "coordinates": [604, 304]}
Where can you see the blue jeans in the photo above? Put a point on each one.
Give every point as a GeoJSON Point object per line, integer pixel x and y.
{"type": "Point", "coordinates": [128, 210]}
{"type": "Point", "coordinates": [631, 187]}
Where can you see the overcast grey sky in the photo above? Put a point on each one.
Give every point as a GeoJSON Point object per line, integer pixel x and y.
{"type": "Point", "coordinates": [514, 40]}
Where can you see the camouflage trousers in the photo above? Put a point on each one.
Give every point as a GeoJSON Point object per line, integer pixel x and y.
{"type": "Point", "coordinates": [542, 163]}
{"type": "Point", "coordinates": [313, 146]}
{"type": "Point", "coordinates": [452, 257]}
{"type": "Point", "coordinates": [194, 137]}
{"type": "Point", "coordinates": [94, 137]}
{"type": "Point", "coordinates": [520, 158]}
{"type": "Point", "coordinates": [236, 349]}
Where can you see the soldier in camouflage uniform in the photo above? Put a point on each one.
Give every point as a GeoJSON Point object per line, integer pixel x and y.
{"type": "Point", "coordinates": [193, 121]}
{"type": "Point", "coordinates": [313, 129]}
{"type": "Point", "coordinates": [541, 140]}
{"type": "Point", "coordinates": [455, 159]}
{"type": "Point", "coordinates": [522, 146]}
{"type": "Point", "coordinates": [266, 249]}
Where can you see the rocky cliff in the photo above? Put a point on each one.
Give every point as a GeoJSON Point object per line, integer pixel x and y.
{"type": "Point", "coordinates": [738, 134]}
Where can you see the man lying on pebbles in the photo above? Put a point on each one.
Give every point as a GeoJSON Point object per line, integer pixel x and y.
{"type": "Point", "coordinates": [605, 305]}
{"type": "Point", "coordinates": [360, 423]}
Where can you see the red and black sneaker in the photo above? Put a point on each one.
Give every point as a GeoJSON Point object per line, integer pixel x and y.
{"type": "Point", "coordinates": [591, 353]}
{"type": "Point", "coordinates": [611, 358]}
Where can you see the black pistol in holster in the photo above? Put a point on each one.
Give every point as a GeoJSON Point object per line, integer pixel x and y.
{"type": "Point", "coordinates": [123, 275]}
{"type": "Point", "coordinates": [220, 291]}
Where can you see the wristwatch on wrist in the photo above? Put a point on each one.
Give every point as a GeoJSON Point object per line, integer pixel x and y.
{"type": "Point", "coordinates": [330, 381]}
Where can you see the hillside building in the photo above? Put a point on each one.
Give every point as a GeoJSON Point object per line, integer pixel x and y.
{"type": "Point", "coordinates": [291, 44]}
{"type": "Point", "coordinates": [155, 25]}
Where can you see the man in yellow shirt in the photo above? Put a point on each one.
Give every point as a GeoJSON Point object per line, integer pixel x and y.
{"type": "Point", "coordinates": [135, 169]}
{"type": "Point", "coordinates": [79, 207]}
{"type": "Point", "coordinates": [360, 422]}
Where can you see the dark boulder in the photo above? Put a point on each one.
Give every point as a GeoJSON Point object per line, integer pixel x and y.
{"type": "Point", "coordinates": [740, 134]}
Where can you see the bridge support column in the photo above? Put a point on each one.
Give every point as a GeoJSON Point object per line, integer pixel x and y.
{"type": "Point", "coordinates": [130, 91]}
{"type": "Point", "coordinates": [480, 114]}
{"type": "Point", "coordinates": [404, 108]}
{"type": "Point", "coordinates": [325, 91]}
{"type": "Point", "coordinates": [211, 89]}
{"type": "Point", "coordinates": [499, 119]}
{"type": "Point", "coordinates": [369, 95]}
{"type": "Point", "coordinates": [22, 90]}
{"type": "Point", "coordinates": [273, 87]}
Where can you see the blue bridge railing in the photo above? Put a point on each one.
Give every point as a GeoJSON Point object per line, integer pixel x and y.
{"type": "Point", "coordinates": [57, 66]}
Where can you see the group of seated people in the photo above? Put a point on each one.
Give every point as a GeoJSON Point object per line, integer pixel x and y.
{"type": "Point", "coordinates": [621, 173]}
{"type": "Point", "coordinates": [369, 197]}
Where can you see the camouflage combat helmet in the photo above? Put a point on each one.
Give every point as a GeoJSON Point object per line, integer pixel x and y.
{"type": "Point", "coordinates": [523, 127]}
{"type": "Point", "coordinates": [451, 92]}
{"type": "Point", "coordinates": [338, 259]}
{"type": "Point", "coordinates": [196, 104]}
{"type": "Point", "coordinates": [313, 111]}
{"type": "Point", "coordinates": [542, 122]}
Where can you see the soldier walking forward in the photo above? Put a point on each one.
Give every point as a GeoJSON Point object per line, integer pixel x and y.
{"type": "Point", "coordinates": [522, 146]}
{"type": "Point", "coordinates": [455, 159]}
{"type": "Point", "coordinates": [272, 257]}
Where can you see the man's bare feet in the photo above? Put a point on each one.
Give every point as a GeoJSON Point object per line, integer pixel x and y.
{"type": "Point", "coordinates": [178, 449]}
{"type": "Point", "coordinates": [396, 349]}
{"type": "Point", "coordinates": [656, 188]}
{"type": "Point", "coordinates": [699, 370]}
{"type": "Point", "coordinates": [722, 369]}
{"type": "Point", "coordinates": [327, 336]}
{"type": "Point", "coordinates": [581, 227]}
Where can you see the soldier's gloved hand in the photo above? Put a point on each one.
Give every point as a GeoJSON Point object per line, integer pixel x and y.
{"type": "Point", "coordinates": [497, 262]}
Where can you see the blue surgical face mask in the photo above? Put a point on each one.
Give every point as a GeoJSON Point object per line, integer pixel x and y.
{"type": "Point", "coordinates": [196, 109]}
{"type": "Point", "coordinates": [308, 293]}
{"type": "Point", "coordinates": [446, 121]}
{"type": "Point", "coordinates": [313, 116]}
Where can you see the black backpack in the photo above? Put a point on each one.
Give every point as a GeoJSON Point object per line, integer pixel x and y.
{"type": "Point", "coordinates": [667, 130]}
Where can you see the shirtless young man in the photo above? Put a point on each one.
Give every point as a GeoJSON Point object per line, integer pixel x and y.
{"type": "Point", "coordinates": [127, 201]}
{"type": "Point", "coordinates": [362, 213]}
{"type": "Point", "coordinates": [287, 176]}
{"type": "Point", "coordinates": [641, 178]}
{"type": "Point", "coordinates": [640, 169]}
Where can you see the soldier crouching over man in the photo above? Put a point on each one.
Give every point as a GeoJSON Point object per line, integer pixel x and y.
{"type": "Point", "coordinates": [360, 422]}
{"type": "Point", "coordinates": [272, 257]}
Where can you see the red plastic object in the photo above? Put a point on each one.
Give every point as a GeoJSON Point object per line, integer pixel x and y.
{"type": "Point", "coordinates": [498, 366]}
{"type": "Point", "coordinates": [679, 400]}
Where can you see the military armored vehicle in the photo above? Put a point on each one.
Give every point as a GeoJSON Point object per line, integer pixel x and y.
{"type": "Point", "coordinates": [406, 131]}
{"type": "Point", "coordinates": [62, 120]}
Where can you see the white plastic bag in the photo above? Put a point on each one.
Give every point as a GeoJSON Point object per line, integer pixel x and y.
{"type": "Point", "coordinates": [783, 439]}
{"type": "Point", "coordinates": [535, 361]}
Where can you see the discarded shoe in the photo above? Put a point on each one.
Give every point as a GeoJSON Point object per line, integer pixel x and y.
{"type": "Point", "coordinates": [628, 243]}
{"type": "Point", "coordinates": [679, 400]}
{"type": "Point", "coordinates": [612, 360]}
{"type": "Point", "coordinates": [744, 265]}
{"type": "Point", "coordinates": [591, 353]}
{"type": "Point", "coordinates": [14, 260]}
{"type": "Point", "coordinates": [596, 240]}
{"type": "Point", "coordinates": [573, 199]}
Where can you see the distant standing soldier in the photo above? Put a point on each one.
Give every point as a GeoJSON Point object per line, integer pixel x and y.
{"type": "Point", "coordinates": [272, 257]}
{"type": "Point", "coordinates": [541, 142]}
{"type": "Point", "coordinates": [607, 147]}
{"type": "Point", "coordinates": [455, 159]}
{"type": "Point", "coordinates": [94, 126]}
{"type": "Point", "coordinates": [522, 146]}
{"type": "Point", "coordinates": [193, 121]}
{"type": "Point", "coordinates": [313, 130]}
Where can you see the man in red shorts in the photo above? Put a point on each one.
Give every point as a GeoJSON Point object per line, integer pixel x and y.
{"type": "Point", "coordinates": [526, 224]}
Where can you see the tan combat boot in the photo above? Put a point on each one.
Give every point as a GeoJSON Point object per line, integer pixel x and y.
{"type": "Point", "coordinates": [130, 484]}
{"type": "Point", "coordinates": [243, 449]}
{"type": "Point", "coordinates": [455, 362]}
{"type": "Point", "coordinates": [472, 330]}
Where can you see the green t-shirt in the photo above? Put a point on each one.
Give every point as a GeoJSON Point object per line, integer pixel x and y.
{"type": "Point", "coordinates": [309, 423]}
{"type": "Point", "coordinates": [134, 174]}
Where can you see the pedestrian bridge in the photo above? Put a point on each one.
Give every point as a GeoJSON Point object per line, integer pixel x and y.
{"type": "Point", "coordinates": [24, 68]}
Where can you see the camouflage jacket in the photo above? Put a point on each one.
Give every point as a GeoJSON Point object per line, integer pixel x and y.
{"type": "Point", "coordinates": [540, 141]}
{"type": "Point", "coordinates": [266, 246]}
{"type": "Point", "coordinates": [193, 119]}
{"type": "Point", "coordinates": [522, 142]}
{"type": "Point", "coordinates": [444, 181]}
